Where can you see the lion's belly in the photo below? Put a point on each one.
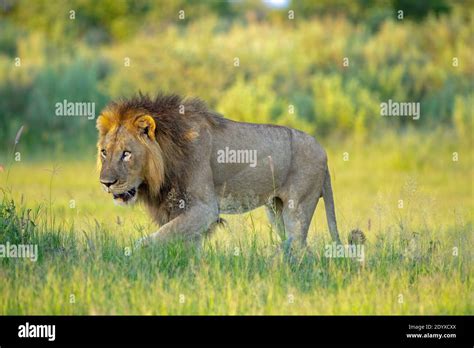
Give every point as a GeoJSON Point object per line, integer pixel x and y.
{"type": "Point", "coordinates": [241, 202]}
{"type": "Point", "coordinates": [241, 188]}
{"type": "Point", "coordinates": [246, 189]}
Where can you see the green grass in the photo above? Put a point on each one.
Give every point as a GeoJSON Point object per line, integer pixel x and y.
{"type": "Point", "coordinates": [410, 266]}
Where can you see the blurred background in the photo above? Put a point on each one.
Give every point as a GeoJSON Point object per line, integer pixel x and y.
{"type": "Point", "coordinates": [277, 61]}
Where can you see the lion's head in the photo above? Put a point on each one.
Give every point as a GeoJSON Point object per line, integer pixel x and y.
{"type": "Point", "coordinates": [145, 145]}
{"type": "Point", "coordinates": [129, 157]}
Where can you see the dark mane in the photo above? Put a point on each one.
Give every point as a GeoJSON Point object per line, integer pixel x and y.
{"type": "Point", "coordinates": [165, 108]}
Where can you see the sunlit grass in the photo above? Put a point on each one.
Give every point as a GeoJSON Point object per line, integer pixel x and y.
{"type": "Point", "coordinates": [417, 258]}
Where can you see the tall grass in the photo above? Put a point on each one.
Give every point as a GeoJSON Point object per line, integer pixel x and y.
{"type": "Point", "coordinates": [216, 280]}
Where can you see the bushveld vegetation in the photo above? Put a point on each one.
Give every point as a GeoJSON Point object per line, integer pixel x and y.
{"type": "Point", "coordinates": [258, 69]}
{"type": "Point", "coordinates": [406, 183]}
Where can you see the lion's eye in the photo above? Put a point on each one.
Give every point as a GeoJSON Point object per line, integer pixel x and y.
{"type": "Point", "coordinates": [103, 153]}
{"type": "Point", "coordinates": [126, 156]}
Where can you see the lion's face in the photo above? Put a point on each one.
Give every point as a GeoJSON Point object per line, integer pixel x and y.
{"type": "Point", "coordinates": [125, 151]}
{"type": "Point", "coordinates": [122, 158]}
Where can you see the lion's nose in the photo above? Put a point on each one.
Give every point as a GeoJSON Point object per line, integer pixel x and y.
{"type": "Point", "coordinates": [108, 183]}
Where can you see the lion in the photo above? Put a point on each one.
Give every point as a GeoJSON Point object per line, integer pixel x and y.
{"type": "Point", "coordinates": [188, 164]}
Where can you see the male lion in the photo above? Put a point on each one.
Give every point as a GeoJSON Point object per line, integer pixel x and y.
{"type": "Point", "coordinates": [189, 164]}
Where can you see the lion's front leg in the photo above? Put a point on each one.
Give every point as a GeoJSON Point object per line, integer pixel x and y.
{"type": "Point", "coordinates": [203, 210]}
{"type": "Point", "coordinates": [189, 226]}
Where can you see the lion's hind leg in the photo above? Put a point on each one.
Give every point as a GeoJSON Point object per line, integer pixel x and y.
{"type": "Point", "coordinates": [297, 219]}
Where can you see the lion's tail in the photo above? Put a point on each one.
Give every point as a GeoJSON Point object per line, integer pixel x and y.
{"type": "Point", "coordinates": [329, 205]}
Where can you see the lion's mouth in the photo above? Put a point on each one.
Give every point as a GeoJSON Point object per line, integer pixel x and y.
{"type": "Point", "coordinates": [126, 196]}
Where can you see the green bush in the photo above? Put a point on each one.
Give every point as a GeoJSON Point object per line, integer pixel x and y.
{"type": "Point", "coordinates": [275, 71]}
{"type": "Point", "coordinates": [34, 106]}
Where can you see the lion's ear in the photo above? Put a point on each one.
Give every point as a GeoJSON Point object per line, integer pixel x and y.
{"type": "Point", "coordinates": [146, 125]}
{"type": "Point", "coordinates": [103, 125]}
